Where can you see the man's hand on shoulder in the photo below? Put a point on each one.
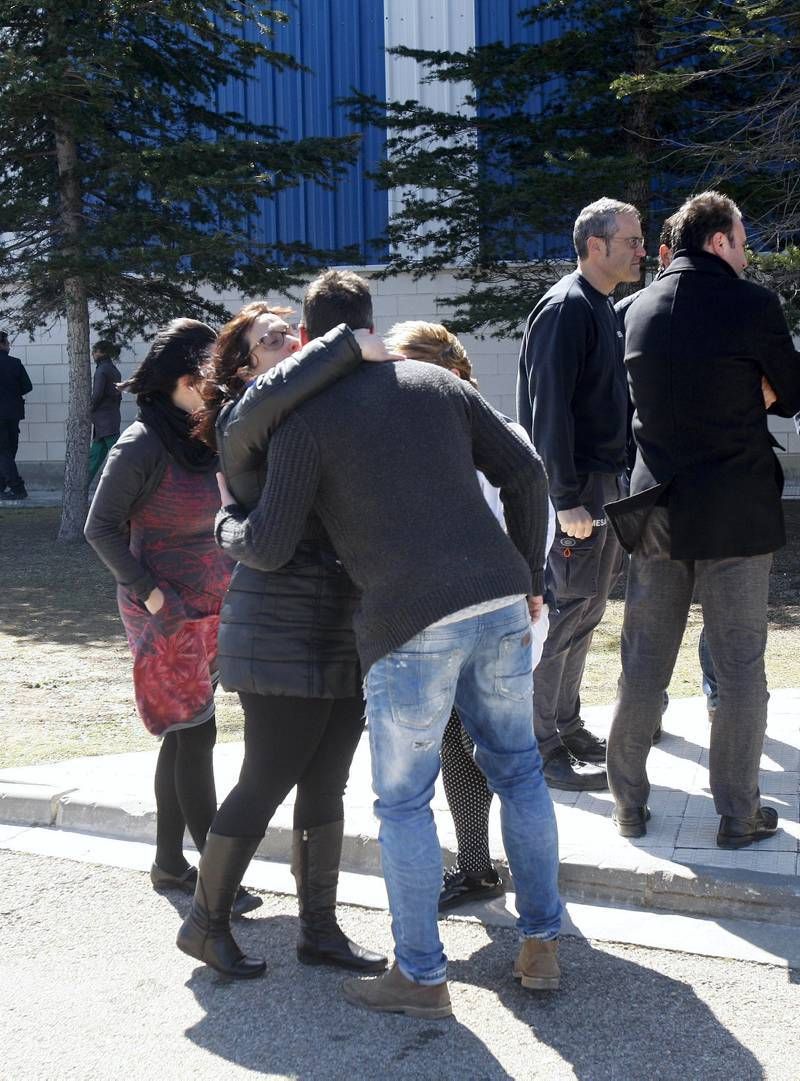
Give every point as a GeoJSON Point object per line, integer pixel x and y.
{"type": "Point", "coordinates": [575, 522]}
{"type": "Point", "coordinates": [372, 347]}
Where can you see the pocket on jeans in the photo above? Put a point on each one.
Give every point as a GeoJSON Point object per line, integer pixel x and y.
{"type": "Point", "coordinates": [514, 672]}
{"type": "Point", "coordinates": [421, 686]}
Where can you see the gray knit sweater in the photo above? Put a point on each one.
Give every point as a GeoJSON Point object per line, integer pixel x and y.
{"type": "Point", "coordinates": [386, 458]}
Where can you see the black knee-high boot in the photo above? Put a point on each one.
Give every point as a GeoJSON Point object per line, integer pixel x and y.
{"type": "Point", "coordinates": [206, 932]}
{"type": "Point", "coordinates": [316, 853]}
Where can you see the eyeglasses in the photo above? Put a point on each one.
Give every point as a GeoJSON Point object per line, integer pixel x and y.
{"type": "Point", "coordinates": [633, 242]}
{"type": "Point", "coordinates": [272, 340]}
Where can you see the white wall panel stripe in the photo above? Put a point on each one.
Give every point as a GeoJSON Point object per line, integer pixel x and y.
{"type": "Point", "coordinates": [425, 24]}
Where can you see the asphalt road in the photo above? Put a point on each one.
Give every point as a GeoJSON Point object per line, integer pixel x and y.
{"type": "Point", "coordinates": [92, 988]}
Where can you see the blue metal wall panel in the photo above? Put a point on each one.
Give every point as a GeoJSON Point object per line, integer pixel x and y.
{"type": "Point", "coordinates": [500, 22]}
{"type": "Point", "coordinates": [342, 43]}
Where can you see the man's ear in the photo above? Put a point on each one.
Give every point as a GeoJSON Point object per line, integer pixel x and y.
{"type": "Point", "coordinates": [304, 338]}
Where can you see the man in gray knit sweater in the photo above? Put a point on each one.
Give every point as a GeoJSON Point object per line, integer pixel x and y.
{"type": "Point", "coordinates": [386, 458]}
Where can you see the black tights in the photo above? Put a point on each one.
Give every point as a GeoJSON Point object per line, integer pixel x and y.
{"type": "Point", "coordinates": [308, 742]}
{"type": "Point", "coordinates": [185, 792]}
{"type": "Point", "coordinates": [468, 798]}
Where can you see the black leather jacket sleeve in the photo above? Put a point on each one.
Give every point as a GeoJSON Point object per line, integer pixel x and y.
{"type": "Point", "coordinates": [244, 427]}
{"type": "Point", "coordinates": [133, 470]}
{"type": "Point", "coordinates": [267, 537]}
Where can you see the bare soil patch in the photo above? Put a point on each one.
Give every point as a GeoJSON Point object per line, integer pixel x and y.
{"type": "Point", "coordinates": [65, 668]}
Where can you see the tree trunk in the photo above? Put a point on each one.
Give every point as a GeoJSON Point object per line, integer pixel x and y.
{"type": "Point", "coordinates": [76, 458]}
{"type": "Point", "coordinates": [640, 133]}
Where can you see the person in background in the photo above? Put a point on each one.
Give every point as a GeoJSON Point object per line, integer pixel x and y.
{"type": "Point", "coordinates": [14, 385]}
{"type": "Point", "coordinates": [472, 877]}
{"type": "Point", "coordinates": [152, 523]}
{"type": "Point", "coordinates": [104, 407]}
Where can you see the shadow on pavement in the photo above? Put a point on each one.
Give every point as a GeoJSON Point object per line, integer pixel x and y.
{"type": "Point", "coordinates": [613, 1018]}
{"type": "Point", "coordinates": [295, 1023]}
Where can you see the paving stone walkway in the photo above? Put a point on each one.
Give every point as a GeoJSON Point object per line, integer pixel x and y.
{"type": "Point", "coordinates": [676, 867]}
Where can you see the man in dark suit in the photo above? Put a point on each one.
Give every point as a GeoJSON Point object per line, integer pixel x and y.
{"type": "Point", "coordinates": [14, 384]}
{"type": "Point", "coordinates": [705, 507]}
{"type": "Point", "coordinates": [105, 404]}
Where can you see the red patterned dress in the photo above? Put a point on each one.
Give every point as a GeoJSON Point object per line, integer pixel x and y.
{"type": "Point", "coordinates": [175, 651]}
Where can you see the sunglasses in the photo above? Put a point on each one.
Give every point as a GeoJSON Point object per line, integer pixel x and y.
{"type": "Point", "coordinates": [272, 340]}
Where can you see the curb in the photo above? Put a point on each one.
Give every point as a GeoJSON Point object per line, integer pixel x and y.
{"type": "Point", "coordinates": [650, 884]}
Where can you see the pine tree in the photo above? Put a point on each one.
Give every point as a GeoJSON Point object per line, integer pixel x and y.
{"type": "Point", "coordinates": [752, 141]}
{"type": "Point", "coordinates": [748, 145]}
{"type": "Point", "coordinates": [125, 189]}
{"type": "Point", "coordinates": [545, 130]}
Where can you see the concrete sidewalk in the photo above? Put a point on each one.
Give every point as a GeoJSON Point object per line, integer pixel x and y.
{"type": "Point", "coordinates": [675, 868]}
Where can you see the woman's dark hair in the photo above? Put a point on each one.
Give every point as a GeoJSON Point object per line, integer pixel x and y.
{"type": "Point", "coordinates": [107, 349]}
{"type": "Point", "coordinates": [178, 349]}
{"type": "Point", "coordinates": [220, 379]}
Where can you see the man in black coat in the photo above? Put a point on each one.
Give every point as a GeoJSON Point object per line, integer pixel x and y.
{"type": "Point", "coordinates": [14, 384]}
{"type": "Point", "coordinates": [705, 507]}
{"type": "Point", "coordinates": [105, 404]}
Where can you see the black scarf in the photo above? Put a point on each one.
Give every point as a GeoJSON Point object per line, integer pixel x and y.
{"type": "Point", "coordinates": [173, 427]}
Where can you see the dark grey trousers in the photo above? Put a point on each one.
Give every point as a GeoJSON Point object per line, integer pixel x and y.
{"type": "Point", "coordinates": [733, 593]}
{"type": "Point", "coordinates": [581, 585]}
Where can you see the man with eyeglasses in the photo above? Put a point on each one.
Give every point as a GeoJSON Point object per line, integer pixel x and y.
{"type": "Point", "coordinates": [572, 398]}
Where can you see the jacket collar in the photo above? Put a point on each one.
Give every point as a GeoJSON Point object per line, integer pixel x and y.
{"type": "Point", "coordinates": [702, 262]}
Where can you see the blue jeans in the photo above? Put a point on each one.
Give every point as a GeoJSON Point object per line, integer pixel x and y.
{"type": "Point", "coordinates": [483, 665]}
{"type": "Point", "coordinates": [710, 688]}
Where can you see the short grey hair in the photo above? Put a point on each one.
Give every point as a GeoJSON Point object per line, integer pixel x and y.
{"type": "Point", "coordinates": [598, 219]}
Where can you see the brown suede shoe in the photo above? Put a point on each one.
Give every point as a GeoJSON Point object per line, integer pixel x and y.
{"type": "Point", "coordinates": [393, 993]}
{"type": "Point", "coordinates": [537, 964]}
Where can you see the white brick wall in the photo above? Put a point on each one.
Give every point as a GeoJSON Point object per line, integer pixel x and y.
{"type": "Point", "coordinates": [494, 362]}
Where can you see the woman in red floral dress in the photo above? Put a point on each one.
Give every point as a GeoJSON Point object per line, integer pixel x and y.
{"type": "Point", "coordinates": [151, 522]}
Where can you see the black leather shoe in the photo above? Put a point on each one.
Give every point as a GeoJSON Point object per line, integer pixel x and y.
{"type": "Point", "coordinates": [585, 746]}
{"type": "Point", "coordinates": [163, 881]}
{"type": "Point", "coordinates": [562, 771]}
{"type": "Point", "coordinates": [630, 821]}
{"type": "Point", "coordinates": [458, 887]}
{"type": "Point", "coordinates": [740, 832]}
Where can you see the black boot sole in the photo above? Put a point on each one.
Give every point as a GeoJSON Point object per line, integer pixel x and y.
{"type": "Point", "coordinates": [747, 839]}
{"type": "Point", "coordinates": [312, 957]}
{"type": "Point", "coordinates": [472, 895]}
